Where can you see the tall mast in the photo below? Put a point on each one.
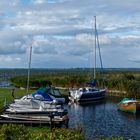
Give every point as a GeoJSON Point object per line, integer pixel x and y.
{"type": "Point", "coordinates": [95, 50]}
{"type": "Point", "coordinates": [28, 76]}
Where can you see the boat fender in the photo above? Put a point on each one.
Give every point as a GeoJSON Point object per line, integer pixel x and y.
{"type": "Point", "coordinates": [41, 108]}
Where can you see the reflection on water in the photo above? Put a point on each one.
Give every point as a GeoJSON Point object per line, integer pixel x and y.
{"type": "Point", "coordinates": [104, 118]}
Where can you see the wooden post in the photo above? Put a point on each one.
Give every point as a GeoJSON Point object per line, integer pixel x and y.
{"type": "Point", "coordinates": [13, 92]}
{"type": "Point", "coordinates": [51, 121]}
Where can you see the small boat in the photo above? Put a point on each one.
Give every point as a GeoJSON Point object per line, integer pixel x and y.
{"type": "Point", "coordinates": [91, 93]}
{"type": "Point", "coordinates": [129, 105]}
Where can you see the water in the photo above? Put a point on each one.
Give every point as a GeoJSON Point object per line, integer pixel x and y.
{"type": "Point", "coordinates": [104, 119]}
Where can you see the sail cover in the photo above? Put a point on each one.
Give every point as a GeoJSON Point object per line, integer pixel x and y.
{"type": "Point", "coordinates": [92, 83]}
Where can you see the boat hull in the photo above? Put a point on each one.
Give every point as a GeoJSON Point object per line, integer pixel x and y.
{"type": "Point", "coordinates": [130, 105]}
{"type": "Point", "coordinates": [90, 96]}
{"type": "Point", "coordinates": [30, 117]}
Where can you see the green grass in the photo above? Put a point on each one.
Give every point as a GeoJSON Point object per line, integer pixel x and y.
{"type": "Point", "coordinates": [20, 132]}
{"type": "Point", "coordinates": [6, 95]}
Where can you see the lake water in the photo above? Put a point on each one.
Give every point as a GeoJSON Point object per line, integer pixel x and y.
{"type": "Point", "coordinates": [104, 118]}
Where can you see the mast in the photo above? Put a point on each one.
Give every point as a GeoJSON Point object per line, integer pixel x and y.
{"type": "Point", "coordinates": [28, 76]}
{"type": "Point", "coordinates": [95, 50]}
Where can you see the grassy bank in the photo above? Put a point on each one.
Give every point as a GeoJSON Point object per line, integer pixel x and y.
{"type": "Point", "coordinates": [20, 132]}
{"type": "Point", "coordinates": [6, 95]}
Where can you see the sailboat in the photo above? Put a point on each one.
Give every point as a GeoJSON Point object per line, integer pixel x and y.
{"type": "Point", "coordinates": [90, 93]}
{"type": "Point", "coordinates": [50, 94]}
{"type": "Point", "coordinates": [39, 106]}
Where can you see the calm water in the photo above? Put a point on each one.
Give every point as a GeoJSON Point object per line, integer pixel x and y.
{"type": "Point", "coordinates": [104, 119]}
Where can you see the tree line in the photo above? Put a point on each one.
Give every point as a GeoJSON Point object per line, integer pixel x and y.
{"type": "Point", "coordinates": [121, 81]}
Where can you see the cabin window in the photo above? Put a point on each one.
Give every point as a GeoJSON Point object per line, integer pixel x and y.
{"type": "Point", "coordinates": [56, 93]}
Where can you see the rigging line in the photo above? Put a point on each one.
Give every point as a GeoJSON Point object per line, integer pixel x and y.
{"type": "Point", "coordinates": [98, 44]}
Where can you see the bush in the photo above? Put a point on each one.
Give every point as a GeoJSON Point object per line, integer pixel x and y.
{"type": "Point", "coordinates": [13, 132]}
{"type": "Point", "coordinates": [20, 132]}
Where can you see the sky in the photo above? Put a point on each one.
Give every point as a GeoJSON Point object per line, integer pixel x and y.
{"type": "Point", "coordinates": [61, 33]}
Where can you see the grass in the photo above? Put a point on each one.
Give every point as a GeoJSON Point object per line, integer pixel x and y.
{"type": "Point", "coordinates": [6, 95]}
{"type": "Point", "coordinates": [20, 132]}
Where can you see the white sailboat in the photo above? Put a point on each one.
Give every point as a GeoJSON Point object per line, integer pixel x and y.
{"type": "Point", "coordinates": [91, 93]}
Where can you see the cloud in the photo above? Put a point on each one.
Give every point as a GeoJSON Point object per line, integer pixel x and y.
{"type": "Point", "coordinates": [135, 61]}
{"type": "Point", "coordinates": [9, 59]}
{"type": "Point", "coordinates": [44, 47]}
{"type": "Point", "coordinates": [64, 30]}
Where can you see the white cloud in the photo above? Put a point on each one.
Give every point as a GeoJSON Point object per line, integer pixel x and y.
{"type": "Point", "coordinates": [39, 1]}
{"type": "Point", "coordinates": [8, 59]}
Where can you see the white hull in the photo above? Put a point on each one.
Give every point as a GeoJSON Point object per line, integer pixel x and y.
{"type": "Point", "coordinates": [31, 117]}
{"type": "Point", "coordinates": [26, 100]}
{"type": "Point", "coordinates": [21, 110]}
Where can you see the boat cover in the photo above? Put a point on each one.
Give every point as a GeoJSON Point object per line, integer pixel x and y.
{"type": "Point", "coordinates": [43, 92]}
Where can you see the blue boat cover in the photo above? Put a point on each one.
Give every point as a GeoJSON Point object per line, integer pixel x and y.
{"type": "Point", "coordinates": [92, 82]}
{"type": "Point", "coordinates": [43, 92]}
